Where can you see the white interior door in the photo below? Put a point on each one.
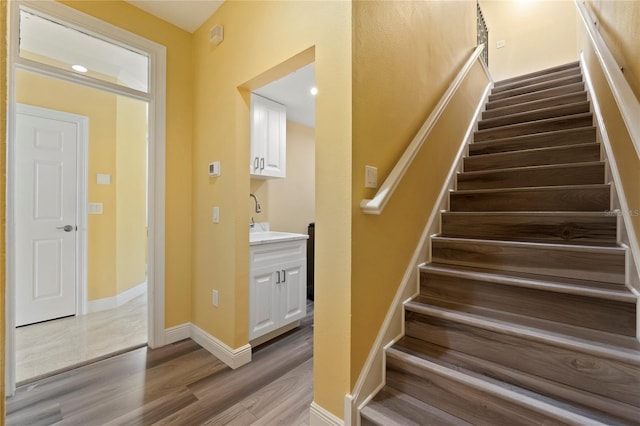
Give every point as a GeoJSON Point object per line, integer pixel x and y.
{"type": "Point", "coordinates": [46, 196]}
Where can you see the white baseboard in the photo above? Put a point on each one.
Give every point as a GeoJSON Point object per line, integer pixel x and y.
{"type": "Point", "coordinates": [120, 299]}
{"type": "Point", "coordinates": [318, 416]}
{"type": "Point", "coordinates": [234, 358]}
{"type": "Point", "coordinates": [177, 333]}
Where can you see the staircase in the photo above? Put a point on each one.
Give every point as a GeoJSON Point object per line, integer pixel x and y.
{"type": "Point", "coordinates": [523, 317]}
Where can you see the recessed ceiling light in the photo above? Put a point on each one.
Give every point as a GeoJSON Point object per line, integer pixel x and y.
{"type": "Point", "coordinates": [79, 68]}
{"type": "Point", "coordinates": [314, 90]}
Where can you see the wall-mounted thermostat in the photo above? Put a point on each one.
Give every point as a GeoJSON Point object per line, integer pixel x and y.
{"type": "Point", "coordinates": [214, 169]}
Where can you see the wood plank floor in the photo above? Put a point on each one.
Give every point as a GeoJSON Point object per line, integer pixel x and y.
{"type": "Point", "coordinates": [180, 384]}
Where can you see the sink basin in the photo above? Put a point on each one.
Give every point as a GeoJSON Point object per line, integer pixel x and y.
{"type": "Point", "coordinates": [266, 237]}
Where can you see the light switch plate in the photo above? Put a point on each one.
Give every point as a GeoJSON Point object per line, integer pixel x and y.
{"type": "Point", "coordinates": [103, 179]}
{"type": "Point", "coordinates": [500, 44]}
{"type": "Point", "coordinates": [370, 177]}
{"type": "Point", "coordinates": [216, 215]}
{"type": "Point", "coordinates": [95, 208]}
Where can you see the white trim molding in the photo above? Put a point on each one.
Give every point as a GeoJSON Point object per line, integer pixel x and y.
{"type": "Point", "coordinates": [378, 202]}
{"type": "Point", "coordinates": [117, 300]}
{"type": "Point", "coordinates": [318, 416]}
{"type": "Point", "coordinates": [628, 104]}
{"type": "Point", "coordinates": [177, 333]}
{"type": "Point", "coordinates": [234, 358]}
{"type": "Point", "coordinates": [372, 376]}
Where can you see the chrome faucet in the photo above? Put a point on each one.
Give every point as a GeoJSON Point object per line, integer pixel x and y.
{"type": "Point", "coordinates": [258, 209]}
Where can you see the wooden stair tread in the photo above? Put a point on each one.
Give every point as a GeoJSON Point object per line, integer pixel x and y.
{"type": "Point", "coordinates": [535, 87]}
{"type": "Point", "coordinates": [596, 289]}
{"type": "Point", "coordinates": [586, 402]}
{"type": "Point", "coordinates": [532, 96]}
{"type": "Point", "coordinates": [537, 167]}
{"type": "Point", "coordinates": [605, 345]}
{"type": "Point", "coordinates": [504, 391]}
{"type": "Point", "coordinates": [392, 407]}
{"type": "Point", "coordinates": [542, 139]}
{"type": "Point", "coordinates": [534, 127]}
{"type": "Point", "coordinates": [567, 98]}
{"type": "Point", "coordinates": [537, 79]}
{"type": "Point", "coordinates": [536, 114]}
{"type": "Point", "coordinates": [535, 156]}
{"type": "Point", "coordinates": [532, 188]}
{"type": "Point", "coordinates": [544, 71]}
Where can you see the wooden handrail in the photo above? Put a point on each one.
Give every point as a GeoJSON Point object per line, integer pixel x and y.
{"type": "Point", "coordinates": [386, 190]}
{"type": "Point", "coordinates": [625, 99]}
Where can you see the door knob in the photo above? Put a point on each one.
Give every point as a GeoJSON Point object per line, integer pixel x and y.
{"type": "Point", "coordinates": [66, 228]}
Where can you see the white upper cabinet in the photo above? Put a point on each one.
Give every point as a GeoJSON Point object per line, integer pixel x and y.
{"type": "Point", "coordinates": [268, 138]}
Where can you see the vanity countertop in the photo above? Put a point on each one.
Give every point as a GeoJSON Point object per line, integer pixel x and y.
{"type": "Point", "coordinates": [266, 237]}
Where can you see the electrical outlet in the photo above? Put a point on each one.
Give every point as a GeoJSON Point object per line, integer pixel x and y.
{"type": "Point", "coordinates": [500, 44]}
{"type": "Point", "coordinates": [214, 297]}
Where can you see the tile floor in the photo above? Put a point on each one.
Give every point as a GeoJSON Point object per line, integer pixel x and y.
{"type": "Point", "coordinates": [54, 345]}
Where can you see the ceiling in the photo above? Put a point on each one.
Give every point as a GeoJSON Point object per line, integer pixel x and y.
{"type": "Point", "coordinates": [186, 14]}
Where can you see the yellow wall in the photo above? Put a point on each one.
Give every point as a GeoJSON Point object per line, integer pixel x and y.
{"type": "Point", "coordinates": [100, 107]}
{"type": "Point", "coordinates": [131, 193]}
{"type": "Point", "coordinates": [259, 37]}
{"type": "Point", "coordinates": [538, 34]}
{"type": "Point", "coordinates": [398, 77]}
{"type": "Point", "coordinates": [289, 204]}
{"type": "Point", "coordinates": [618, 22]}
{"type": "Point", "coordinates": [3, 174]}
{"type": "Point", "coordinates": [179, 128]}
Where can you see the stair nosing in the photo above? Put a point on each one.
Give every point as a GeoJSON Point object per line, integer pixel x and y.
{"type": "Point", "coordinates": [536, 135]}
{"type": "Point", "coordinates": [533, 188]}
{"type": "Point", "coordinates": [532, 150]}
{"type": "Point", "coordinates": [548, 246]}
{"type": "Point", "coordinates": [556, 83]}
{"type": "Point", "coordinates": [500, 392]}
{"type": "Point", "coordinates": [530, 333]}
{"type": "Point", "coordinates": [531, 283]}
{"type": "Point", "coordinates": [539, 122]}
{"type": "Point", "coordinates": [536, 167]}
{"type": "Point", "coordinates": [506, 107]}
{"type": "Point", "coordinates": [548, 90]}
{"type": "Point", "coordinates": [530, 112]}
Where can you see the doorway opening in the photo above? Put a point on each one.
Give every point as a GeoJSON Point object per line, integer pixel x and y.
{"type": "Point", "coordinates": [109, 249]}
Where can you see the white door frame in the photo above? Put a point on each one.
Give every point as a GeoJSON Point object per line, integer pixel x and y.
{"type": "Point", "coordinates": [156, 97]}
{"type": "Point", "coordinates": [82, 170]}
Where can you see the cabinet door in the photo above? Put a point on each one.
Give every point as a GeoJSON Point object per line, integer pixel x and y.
{"type": "Point", "coordinates": [268, 137]}
{"type": "Point", "coordinates": [293, 291]}
{"type": "Point", "coordinates": [264, 309]}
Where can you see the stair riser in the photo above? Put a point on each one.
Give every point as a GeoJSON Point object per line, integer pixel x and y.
{"type": "Point", "coordinates": [580, 264]}
{"type": "Point", "coordinates": [594, 313]}
{"type": "Point", "coordinates": [542, 94]}
{"type": "Point", "coordinates": [556, 176]}
{"type": "Point", "coordinates": [507, 120]}
{"type": "Point", "coordinates": [540, 140]}
{"type": "Point", "coordinates": [457, 399]}
{"type": "Point", "coordinates": [533, 88]}
{"type": "Point", "coordinates": [615, 411]}
{"type": "Point", "coordinates": [544, 72]}
{"type": "Point", "coordinates": [570, 98]}
{"type": "Point", "coordinates": [608, 378]}
{"type": "Point", "coordinates": [551, 125]}
{"type": "Point", "coordinates": [536, 80]}
{"type": "Point", "coordinates": [559, 228]}
{"type": "Point", "coordinates": [554, 199]}
{"type": "Point", "coordinates": [567, 155]}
